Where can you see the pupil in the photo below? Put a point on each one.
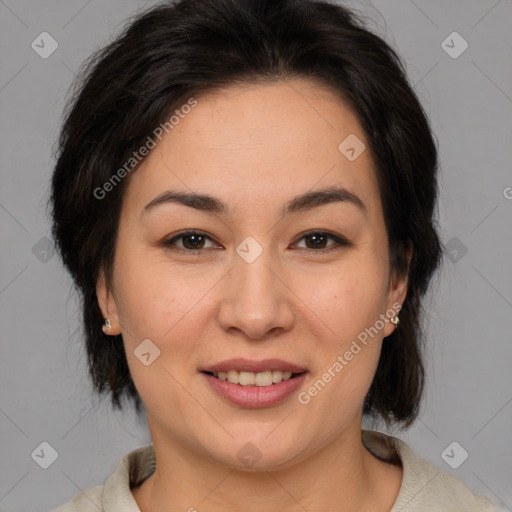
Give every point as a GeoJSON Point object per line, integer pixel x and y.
{"type": "Point", "coordinates": [189, 237]}
{"type": "Point", "coordinates": [319, 239]}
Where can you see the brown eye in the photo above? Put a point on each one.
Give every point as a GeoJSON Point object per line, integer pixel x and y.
{"type": "Point", "coordinates": [191, 242]}
{"type": "Point", "coordinates": [317, 240]}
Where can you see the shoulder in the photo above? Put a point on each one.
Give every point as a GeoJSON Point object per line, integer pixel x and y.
{"type": "Point", "coordinates": [87, 501]}
{"type": "Point", "coordinates": [425, 487]}
{"type": "Point", "coordinates": [115, 493]}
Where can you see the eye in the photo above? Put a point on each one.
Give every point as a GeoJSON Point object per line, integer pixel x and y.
{"type": "Point", "coordinates": [318, 239]}
{"type": "Point", "coordinates": [193, 242]}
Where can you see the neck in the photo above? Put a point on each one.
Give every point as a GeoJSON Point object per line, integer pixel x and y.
{"type": "Point", "coordinates": [343, 473]}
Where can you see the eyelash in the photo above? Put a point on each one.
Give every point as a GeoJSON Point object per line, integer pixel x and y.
{"type": "Point", "coordinates": [339, 242]}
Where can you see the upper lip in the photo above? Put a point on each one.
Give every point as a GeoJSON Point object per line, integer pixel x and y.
{"type": "Point", "coordinates": [247, 365]}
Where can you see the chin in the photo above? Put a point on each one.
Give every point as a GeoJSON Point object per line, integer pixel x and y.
{"type": "Point", "coordinates": [258, 452]}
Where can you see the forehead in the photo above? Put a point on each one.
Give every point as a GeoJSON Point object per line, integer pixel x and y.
{"type": "Point", "coordinates": [257, 144]}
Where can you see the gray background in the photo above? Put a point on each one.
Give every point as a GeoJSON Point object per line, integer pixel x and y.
{"type": "Point", "coordinates": [45, 393]}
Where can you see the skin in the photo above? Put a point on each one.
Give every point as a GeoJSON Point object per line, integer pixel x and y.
{"type": "Point", "coordinates": [255, 147]}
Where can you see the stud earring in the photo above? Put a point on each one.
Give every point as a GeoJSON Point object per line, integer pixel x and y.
{"type": "Point", "coordinates": [107, 324]}
{"type": "Point", "coordinates": [395, 320]}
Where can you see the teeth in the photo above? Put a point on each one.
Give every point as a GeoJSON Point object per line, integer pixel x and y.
{"type": "Point", "coordinates": [246, 378]}
{"type": "Point", "coordinates": [233, 376]}
{"type": "Point", "coordinates": [261, 379]}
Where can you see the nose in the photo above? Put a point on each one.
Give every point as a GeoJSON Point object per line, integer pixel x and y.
{"type": "Point", "coordinates": [256, 300]}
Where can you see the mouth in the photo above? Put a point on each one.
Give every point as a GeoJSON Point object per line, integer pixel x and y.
{"type": "Point", "coordinates": [254, 384]}
{"type": "Point", "coordinates": [260, 379]}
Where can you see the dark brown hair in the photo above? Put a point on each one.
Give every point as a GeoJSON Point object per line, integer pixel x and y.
{"type": "Point", "coordinates": [178, 50]}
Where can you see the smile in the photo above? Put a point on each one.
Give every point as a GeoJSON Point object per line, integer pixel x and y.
{"type": "Point", "coordinates": [260, 379]}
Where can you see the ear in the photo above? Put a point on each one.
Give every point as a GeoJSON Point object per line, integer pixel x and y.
{"type": "Point", "coordinates": [107, 305]}
{"type": "Point", "coordinates": [397, 292]}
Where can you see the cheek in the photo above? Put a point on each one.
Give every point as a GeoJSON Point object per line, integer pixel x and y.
{"type": "Point", "coordinates": [348, 308]}
{"type": "Point", "coordinates": [346, 302]}
{"type": "Point", "coordinates": [161, 307]}
{"type": "Point", "coordinates": [151, 302]}
{"type": "Point", "coordinates": [170, 308]}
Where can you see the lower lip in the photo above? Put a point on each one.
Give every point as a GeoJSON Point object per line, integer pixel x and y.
{"type": "Point", "coordinates": [254, 397]}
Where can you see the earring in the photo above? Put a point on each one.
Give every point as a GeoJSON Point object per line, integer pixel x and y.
{"type": "Point", "coordinates": [395, 320]}
{"type": "Point", "coordinates": [107, 324]}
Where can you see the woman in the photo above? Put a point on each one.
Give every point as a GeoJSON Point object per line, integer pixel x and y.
{"type": "Point", "coordinates": [244, 197]}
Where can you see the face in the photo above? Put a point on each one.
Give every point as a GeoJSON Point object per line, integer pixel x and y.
{"type": "Point", "coordinates": [306, 283]}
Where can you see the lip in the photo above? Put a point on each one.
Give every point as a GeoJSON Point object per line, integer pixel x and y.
{"type": "Point", "coordinates": [247, 365]}
{"type": "Point", "coordinates": [254, 397]}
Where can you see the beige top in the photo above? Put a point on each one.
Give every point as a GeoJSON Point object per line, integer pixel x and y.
{"type": "Point", "coordinates": [424, 488]}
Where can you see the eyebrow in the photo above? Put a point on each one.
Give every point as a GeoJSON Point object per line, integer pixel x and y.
{"type": "Point", "coordinates": [303, 202]}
